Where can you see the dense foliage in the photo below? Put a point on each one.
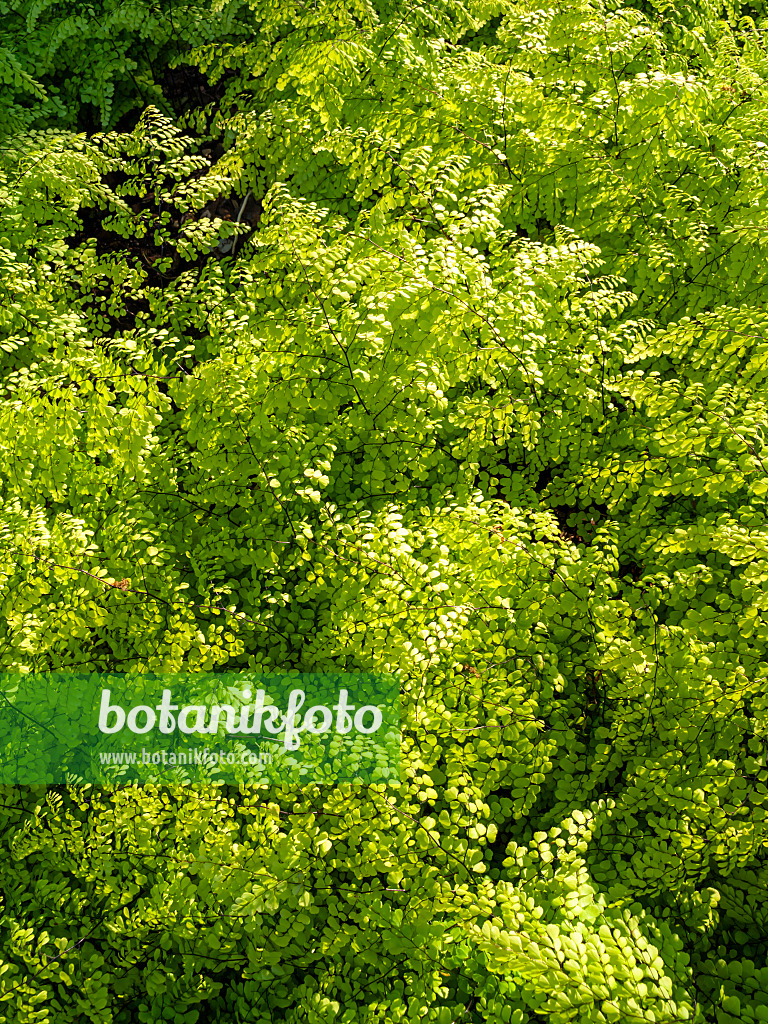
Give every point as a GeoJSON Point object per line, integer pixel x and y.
{"type": "Point", "coordinates": [374, 336]}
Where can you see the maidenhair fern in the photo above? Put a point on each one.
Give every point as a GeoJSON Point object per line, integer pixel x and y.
{"type": "Point", "coordinates": [478, 395]}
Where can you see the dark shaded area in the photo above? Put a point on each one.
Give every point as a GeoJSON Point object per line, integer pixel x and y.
{"type": "Point", "coordinates": [186, 88]}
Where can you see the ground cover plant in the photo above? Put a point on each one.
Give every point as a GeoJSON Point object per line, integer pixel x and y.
{"type": "Point", "coordinates": [381, 336]}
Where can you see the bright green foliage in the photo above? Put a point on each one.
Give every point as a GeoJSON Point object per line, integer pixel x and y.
{"type": "Point", "coordinates": [478, 395]}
